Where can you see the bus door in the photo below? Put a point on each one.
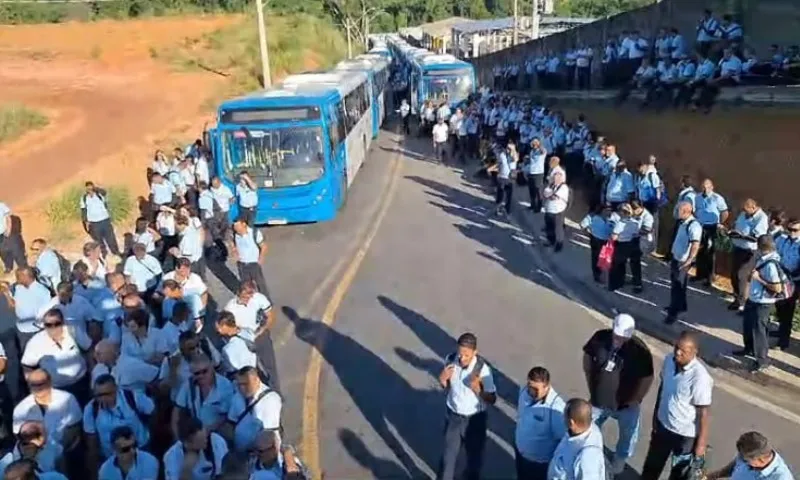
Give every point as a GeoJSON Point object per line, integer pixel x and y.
{"type": "Point", "coordinates": [337, 166]}
{"type": "Point", "coordinates": [210, 142]}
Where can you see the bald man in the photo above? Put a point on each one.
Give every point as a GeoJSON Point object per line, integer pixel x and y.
{"type": "Point", "coordinates": [579, 455]}
{"type": "Point", "coordinates": [751, 223]}
{"type": "Point", "coordinates": [685, 246]}
{"type": "Point", "coordinates": [682, 420]}
{"type": "Point", "coordinates": [130, 372]}
{"type": "Point", "coordinates": [270, 459]}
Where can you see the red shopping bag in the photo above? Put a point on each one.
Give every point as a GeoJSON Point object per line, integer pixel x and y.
{"type": "Point", "coordinates": [606, 256]}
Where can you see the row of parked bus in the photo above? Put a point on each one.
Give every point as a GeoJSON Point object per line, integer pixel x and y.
{"type": "Point", "coordinates": [304, 140]}
{"type": "Point", "coordinates": [430, 76]}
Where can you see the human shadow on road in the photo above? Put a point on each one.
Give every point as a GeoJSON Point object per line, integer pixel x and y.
{"type": "Point", "coordinates": [386, 399]}
{"type": "Point", "coordinates": [361, 453]}
{"type": "Point", "coordinates": [496, 459]}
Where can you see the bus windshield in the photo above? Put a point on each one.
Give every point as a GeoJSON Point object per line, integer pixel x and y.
{"type": "Point", "coordinates": [455, 88]}
{"type": "Point", "coordinates": [274, 158]}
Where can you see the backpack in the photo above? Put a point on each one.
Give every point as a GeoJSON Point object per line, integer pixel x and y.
{"type": "Point", "coordinates": [479, 362]}
{"type": "Point", "coordinates": [664, 200]}
{"type": "Point", "coordinates": [130, 399]}
{"type": "Point", "coordinates": [786, 282]}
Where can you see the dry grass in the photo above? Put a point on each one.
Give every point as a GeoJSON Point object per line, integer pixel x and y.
{"type": "Point", "coordinates": [16, 119]}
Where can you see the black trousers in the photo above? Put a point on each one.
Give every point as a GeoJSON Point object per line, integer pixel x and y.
{"type": "Point", "coordinates": [440, 151]}
{"type": "Point", "coordinates": [679, 278]}
{"type": "Point", "coordinates": [103, 233]}
{"type": "Point", "coordinates": [267, 359]}
{"type": "Point", "coordinates": [253, 272]}
{"type": "Point", "coordinates": [743, 263]}
{"type": "Point", "coordinates": [535, 188]}
{"type": "Point", "coordinates": [528, 470]}
{"type": "Point", "coordinates": [469, 432]}
{"type": "Point", "coordinates": [584, 78]}
{"type": "Point", "coordinates": [6, 413]}
{"type": "Point", "coordinates": [595, 245]}
{"type": "Point", "coordinates": [706, 254]}
{"type": "Point", "coordinates": [406, 127]}
{"type": "Point", "coordinates": [784, 310]}
{"type": "Point", "coordinates": [248, 215]}
{"type": "Point", "coordinates": [14, 380]}
{"type": "Point", "coordinates": [12, 251]}
{"type": "Point", "coordinates": [663, 444]}
{"type": "Point", "coordinates": [622, 253]}
{"type": "Point", "coordinates": [554, 229]}
{"type": "Point", "coordinates": [505, 193]}
{"type": "Point", "coordinates": [755, 330]}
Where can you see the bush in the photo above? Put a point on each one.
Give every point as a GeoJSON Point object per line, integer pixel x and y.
{"type": "Point", "coordinates": [65, 209]}
{"type": "Point", "coordinates": [16, 119]}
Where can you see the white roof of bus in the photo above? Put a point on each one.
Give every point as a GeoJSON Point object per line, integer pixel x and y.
{"type": "Point", "coordinates": [343, 81]}
{"type": "Point", "coordinates": [376, 59]}
{"type": "Point", "coordinates": [362, 62]}
{"type": "Point", "coordinates": [438, 60]}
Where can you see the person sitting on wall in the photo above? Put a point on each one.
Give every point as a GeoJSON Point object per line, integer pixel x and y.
{"type": "Point", "coordinates": [644, 77]}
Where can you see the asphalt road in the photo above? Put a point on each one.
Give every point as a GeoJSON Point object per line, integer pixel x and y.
{"type": "Point", "coordinates": [372, 302]}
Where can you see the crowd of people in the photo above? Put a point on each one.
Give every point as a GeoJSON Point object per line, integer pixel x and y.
{"type": "Point", "coordinates": [668, 69]}
{"type": "Point", "coordinates": [523, 142]}
{"type": "Point", "coordinates": [125, 371]}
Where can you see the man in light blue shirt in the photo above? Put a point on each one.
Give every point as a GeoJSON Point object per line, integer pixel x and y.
{"type": "Point", "coordinates": [788, 247]}
{"type": "Point", "coordinates": [250, 251]}
{"type": "Point", "coordinates": [540, 425]}
{"type": "Point", "coordinates": [685, 246]}
{"type": "Point", "coordinates": [579, 455]}
{"type": "Point", "coordinates": [505, 166]}
{"type": "Point", "coordinates": [128, 462]}
{"type": "Point", "coordinates": [28, 297]}
{"type": "Point", "coordinates": [620, 186]}
{"type": "Point", "coordinates": [162, 192]}
{"type": "Point", "coordinates": [534, 172]}
{"type": "Point", "coordinates": [751, 223]}
{"type": "Point", "coordinates": [768, 284]}
{"type": "Point", "coordinates": [755, 460]}
{"type": "Point", "coordinates": [97, 220]}
{"type": "Point", "coordinates": [246, 193]}
{"type": "Point", "coordinates": [598, 224]}
{"type": "Point", "coordinates": [711, 211]}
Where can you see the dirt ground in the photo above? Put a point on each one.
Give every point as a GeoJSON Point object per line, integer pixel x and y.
{"type": "Point", "coordinates": [110, 101]}
{"type": "Point", "coordinates": [747, 151]}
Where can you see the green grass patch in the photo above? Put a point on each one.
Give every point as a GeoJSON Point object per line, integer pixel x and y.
{"type": "Point", "coordinates": [64, 210]}
{"type": "Point", "coordinates": [297, 43]}
{"type": "Point", "coordinates": [16, 119]}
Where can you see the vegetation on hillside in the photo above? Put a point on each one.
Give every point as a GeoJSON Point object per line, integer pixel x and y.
{"type": "Point", "coordinates": [16, 119]}
{"type": "Point", "coordinates": [297, 43]}
{"type": "Point", "coordinates": [383, 15]}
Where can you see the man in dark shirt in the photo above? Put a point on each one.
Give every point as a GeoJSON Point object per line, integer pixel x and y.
{"type": "Point", "coordinates": [619, 372]}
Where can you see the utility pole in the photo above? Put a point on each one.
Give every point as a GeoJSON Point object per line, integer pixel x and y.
{"type": "Point", "coordinates": [349, 37]}
{"type": "Point", "coordinates": [516, 23]}
{"type": "Point", "coordinates": [262, 42]}
{"type": "Point", "coordinates": [535, 20]}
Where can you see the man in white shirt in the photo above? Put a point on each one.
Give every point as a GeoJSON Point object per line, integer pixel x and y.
{"type": "Point", "coordinates": [254, 314]}
{"type": "Point", "coordinates": [143, 270]}
{"type": "Point", "coordinates": [556, 200]}
{"type": "Point", "coordinates": [56, 409]}
{"type": "Point", "coordinates": [60, 349]}
{"type": "Point", "coordinates": [255, 407]}
{"type": "Point", "coordinates": [468, 380]}
{"type": "Point", "coordinates": [97, 219]}
{"type": "Point", "coordinates": [190, 246]}
{"type": "Point", "coordinates": [237, 352]}
{"type": "Point", "coordinates": [271, 460]}
{"type": "Point", "coordinates": [129, 372]}
{"type": "Point", "coordinates": [682, 421]}
{"type": "Point", "coordinates": [440, 135]}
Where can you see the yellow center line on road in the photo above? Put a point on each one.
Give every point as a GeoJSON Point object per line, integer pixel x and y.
{"type": "Point", "coordinates": [310, 441]}
{"type": "Point", "coordinates": [285, 334]}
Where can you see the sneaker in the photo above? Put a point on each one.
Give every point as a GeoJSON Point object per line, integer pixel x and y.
{"type": "Point", "coordinates": [741, 353]}
{"type": "Point", "coordinates": [734, 306]}
{"type": "Point", "coordinates": [671, 319]}
{"type": "Point", "coordinates": [759, 368]}
{"type": "Point", "coordinates": [618, 466]}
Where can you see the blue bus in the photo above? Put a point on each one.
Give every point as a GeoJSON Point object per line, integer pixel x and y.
{"type": "Point", "coordinates": [431, 76]}
{"type": "Point", "coordinates": [377, 70]}
{"type": "Point", "coordinates": [301, 142]}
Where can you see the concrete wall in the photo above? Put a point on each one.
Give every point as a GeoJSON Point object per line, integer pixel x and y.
{"type": "Point", "coordinates": [764, 21]}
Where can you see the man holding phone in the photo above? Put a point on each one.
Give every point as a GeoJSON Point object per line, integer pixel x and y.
{"type": "Point", "coordinates": [751, 223]}
{"type": "Point", "coordinates": [470, 389]}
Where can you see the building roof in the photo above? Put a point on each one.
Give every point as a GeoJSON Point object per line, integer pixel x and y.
{"type": "Point", "coordinates": [507, 23]}
{"type": "Point", "coordinates": [442, 28]}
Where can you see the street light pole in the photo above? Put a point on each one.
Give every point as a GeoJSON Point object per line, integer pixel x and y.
{"type": "Point", "coordinates": [516, 23]}
{"type": "Point", "coordinates": [535, 20]}
{"type": "Point", "coordinates": [262, 41]}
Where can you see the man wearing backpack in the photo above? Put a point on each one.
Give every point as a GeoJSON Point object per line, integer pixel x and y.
{"type": "Point", "coordinates": [768, 284]}
{"type": "Point", "coordinates": [468, 380]}
{"type": "Point", "coordinates": [51, 267]}
{"type": "Point", "coordinates": [110, 408]}
{"type": "Point", "coordinates": [97, 219]}
{"type": "Point", "coordinates": [249, 251]}
{"type": "Point", "coordinates": [255, 407]}
{"type": "Point", "coordinates": [579, 455]}
{"type": "Point", "coordinates": [685, 246]}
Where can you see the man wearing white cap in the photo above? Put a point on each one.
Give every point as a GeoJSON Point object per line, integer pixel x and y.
{"type": "Point", "coordinates": [619, 372]}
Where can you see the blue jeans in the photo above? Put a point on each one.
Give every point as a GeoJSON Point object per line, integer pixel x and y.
{"type": "Point", "coordinates": [628, 423]}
